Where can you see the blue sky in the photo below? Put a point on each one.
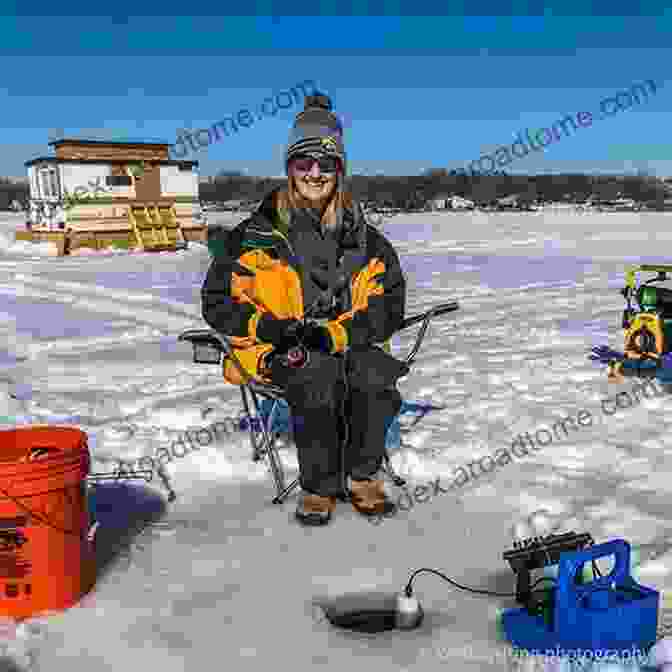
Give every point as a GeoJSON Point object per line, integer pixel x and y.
{"type": "Point", "coordinates": [416, 92]}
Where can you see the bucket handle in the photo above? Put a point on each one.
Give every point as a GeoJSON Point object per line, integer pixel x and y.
{"type": "Point", "coordinates": [37, 453]}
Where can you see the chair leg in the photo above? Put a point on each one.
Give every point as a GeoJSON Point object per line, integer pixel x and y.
{"type": "Point", "coordinates": [268, 446]}
{"type": "Point", "coordinates": [265, 446]}
{"type": "Point", "coordinates": [258, 450]}
{"type": "Point", "coordinates": [389, 470]}
{"type": "Point", "coordinates": [281, 496]}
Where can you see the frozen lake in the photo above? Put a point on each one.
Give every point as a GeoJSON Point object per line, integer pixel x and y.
{"type": "Point", "coordinates": [228, 576]}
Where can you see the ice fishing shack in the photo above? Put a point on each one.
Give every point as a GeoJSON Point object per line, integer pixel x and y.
{"type": "Point", "coordinates": [101, 193]}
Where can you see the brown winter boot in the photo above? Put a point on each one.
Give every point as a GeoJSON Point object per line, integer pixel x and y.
{"type": "Point", "coordinates": [369, 499]}
{"type": "Point", "coordinates": [314, 509]}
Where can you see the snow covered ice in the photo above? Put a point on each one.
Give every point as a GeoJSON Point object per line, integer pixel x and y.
{"type": "Point", "coordinates": [227, 576]}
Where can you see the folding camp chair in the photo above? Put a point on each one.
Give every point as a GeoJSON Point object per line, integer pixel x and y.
{"type": "Point", "coordinates": [210, 347]}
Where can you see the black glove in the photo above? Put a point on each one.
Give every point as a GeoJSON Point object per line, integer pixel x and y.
{"type": "Point", "coordinates": [315, 337]}
{"type": "Point", "coordinates": [280, 333]}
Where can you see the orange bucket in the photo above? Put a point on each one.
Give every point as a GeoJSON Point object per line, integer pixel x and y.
{"type": "Point", "coordinates": [46, 561]}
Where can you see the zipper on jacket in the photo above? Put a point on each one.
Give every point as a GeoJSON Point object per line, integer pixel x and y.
{"type": "Point", "coordinates": [279, 234]}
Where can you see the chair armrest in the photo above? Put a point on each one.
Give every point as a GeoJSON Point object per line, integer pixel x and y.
{"type": "Point", "coordinates": [209, 336]}
{"type": "Point", "coordinates": [425, 318]}
{"type": "Point", "coordinates": [436, 311]}
{"type": "Point", "coordinates": [208, 345]}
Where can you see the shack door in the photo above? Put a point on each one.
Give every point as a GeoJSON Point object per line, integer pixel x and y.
{"type": "Point", "coordinates": [148, 185]}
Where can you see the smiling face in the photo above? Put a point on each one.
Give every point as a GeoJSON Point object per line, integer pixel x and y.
{"type": "Point", "coordinates": [312, 183]}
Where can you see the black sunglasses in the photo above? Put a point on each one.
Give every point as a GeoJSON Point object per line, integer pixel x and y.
{"type": "Point", "coordinates": [327, 164]}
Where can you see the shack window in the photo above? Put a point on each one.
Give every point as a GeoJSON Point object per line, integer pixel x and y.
{"type": "Point", "coordinates": [118, 181]}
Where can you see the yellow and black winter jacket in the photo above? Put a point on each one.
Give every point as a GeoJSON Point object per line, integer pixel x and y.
{"type": "Point", "coordinates": [279, 261]}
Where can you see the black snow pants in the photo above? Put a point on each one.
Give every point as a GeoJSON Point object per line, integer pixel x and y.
{"type": "Point", "coordinates": [360, 388]}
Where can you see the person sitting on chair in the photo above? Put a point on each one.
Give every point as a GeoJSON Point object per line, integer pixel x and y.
{"type": "Point", "coordinates": [307, 291]}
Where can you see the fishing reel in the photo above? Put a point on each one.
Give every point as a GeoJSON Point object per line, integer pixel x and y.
{"type": "Point", "coordinates": [294, 358]}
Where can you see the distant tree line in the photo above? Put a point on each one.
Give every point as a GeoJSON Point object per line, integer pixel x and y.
{"type": "Point", "coordinates": [414, 192]}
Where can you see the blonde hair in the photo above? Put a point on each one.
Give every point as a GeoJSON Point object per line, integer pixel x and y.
{"type": "Point", "coordinates": [291, 199]}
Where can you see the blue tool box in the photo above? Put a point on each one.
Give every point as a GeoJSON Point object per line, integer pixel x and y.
{"type": "Point", "coordinates": [610, 613]}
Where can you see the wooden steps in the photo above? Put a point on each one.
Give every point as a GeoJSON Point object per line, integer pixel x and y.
{"type": "Point", "coordinates": [156, 229]}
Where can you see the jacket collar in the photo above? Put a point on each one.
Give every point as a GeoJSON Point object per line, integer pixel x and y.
{"type": "Point", "coordinates": [354, 224]}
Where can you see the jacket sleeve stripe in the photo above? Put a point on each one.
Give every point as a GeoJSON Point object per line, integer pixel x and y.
{"type": "Point", "coordinates": [253, 324]}
{"type": "Point", "coordinates": [339, 335]}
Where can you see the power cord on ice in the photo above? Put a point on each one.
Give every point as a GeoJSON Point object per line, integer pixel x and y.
{"type": "Point", "coordinates": [408, 590]}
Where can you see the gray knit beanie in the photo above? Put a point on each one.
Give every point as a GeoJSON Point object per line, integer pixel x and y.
{"type": "Point", "coordinates": [317, 131]}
